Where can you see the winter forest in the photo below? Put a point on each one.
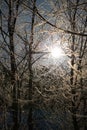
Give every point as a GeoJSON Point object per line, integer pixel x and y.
{"type": "Point", "coordinates": [43, 64]}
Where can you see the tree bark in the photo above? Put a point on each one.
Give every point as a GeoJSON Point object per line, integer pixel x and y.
{"type": "Point", "coordinates": [30, 114]}
{"type": "Point", "coordinates": [73, 26]}
{"type": "Point", "coordinates": [11, 28]}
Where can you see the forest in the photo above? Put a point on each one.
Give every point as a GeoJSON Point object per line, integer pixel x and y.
{"type": "Point", "coordinates": [43, 64]}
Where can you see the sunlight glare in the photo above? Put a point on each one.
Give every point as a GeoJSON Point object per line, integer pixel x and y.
{"type": "Point", "coordinates": [56, 52]}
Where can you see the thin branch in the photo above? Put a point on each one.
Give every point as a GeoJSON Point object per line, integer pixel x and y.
{"type": "Point", "coordinates": [63, 30]}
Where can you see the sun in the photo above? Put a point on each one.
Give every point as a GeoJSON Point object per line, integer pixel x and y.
{"type": "Point", "coordinates": [56, 52]}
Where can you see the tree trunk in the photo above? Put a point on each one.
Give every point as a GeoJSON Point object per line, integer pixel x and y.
{"type": "Point", "coordinates": [73, 92]}
{"type": "Point", "coordinates": [75, 123]}
{"type": "Point", "coordinates": [13, 83]}
{"type": "Point", "coordinates": [30, 114]}
{"type": "Point", "coordinates": [11, 28]}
